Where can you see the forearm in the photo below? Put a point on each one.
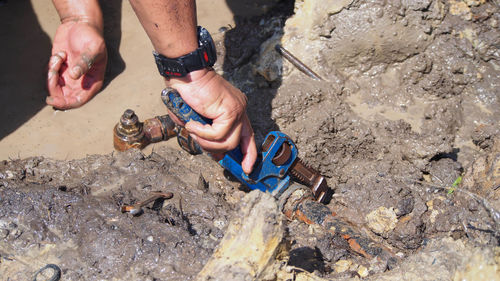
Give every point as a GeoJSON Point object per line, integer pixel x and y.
{"type": "Point", "coordinates": [80, 10]}
{"type": "Point", "coordinates": [170, 24]}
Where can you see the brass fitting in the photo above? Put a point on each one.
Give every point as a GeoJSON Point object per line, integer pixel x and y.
{"type": "Point", "coordinates": [131, 133]}
{"type": "Point", "coordinates": [159, 128]}
{"type": "Point", "coordinates": [128, 133]}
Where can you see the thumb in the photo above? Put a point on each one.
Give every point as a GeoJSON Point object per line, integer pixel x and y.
{"type": "Point", "coordinates": [82, 66]}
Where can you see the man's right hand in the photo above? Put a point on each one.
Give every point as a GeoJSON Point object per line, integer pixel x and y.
{"type": "Point", "coordinates": [77, 65]}
{"type": "Point", "coordinates": [213, 97]}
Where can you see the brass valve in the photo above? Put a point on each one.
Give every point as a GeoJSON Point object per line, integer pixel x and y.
{"type": "Point", "coordinates": [131, 133]}
{"type": "Point", "coordinates": [128, 133]}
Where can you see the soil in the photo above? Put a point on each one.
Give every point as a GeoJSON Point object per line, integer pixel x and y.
{"type": "Point", "coordinates": [405, 126]}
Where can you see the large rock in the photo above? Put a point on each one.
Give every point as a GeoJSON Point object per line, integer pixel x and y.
{"type": "Point", "coordinates": [252, 241]}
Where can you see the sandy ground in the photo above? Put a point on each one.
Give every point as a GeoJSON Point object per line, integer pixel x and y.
{"type": "Point", "coordinates": [30, 127]}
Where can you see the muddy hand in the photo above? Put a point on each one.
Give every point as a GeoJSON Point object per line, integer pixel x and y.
{"type": "Point", "coordinates": [215, 98]}
{"type": "Point", "coordinates": [77, 65]}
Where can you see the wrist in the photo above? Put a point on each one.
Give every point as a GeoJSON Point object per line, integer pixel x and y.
{"type": "Point", "coordinates": [96, 23]}
{"type": "Point", "coordinates": [81, 11]}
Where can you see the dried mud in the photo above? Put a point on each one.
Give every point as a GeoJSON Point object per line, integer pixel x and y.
{"type": "Point", "coordinates": [410, 103]}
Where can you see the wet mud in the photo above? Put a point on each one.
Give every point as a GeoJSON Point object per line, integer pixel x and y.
{"type": "Point", "coordinates": [68, 213]}
{"type": "Point", "coordinates": [405, 126]}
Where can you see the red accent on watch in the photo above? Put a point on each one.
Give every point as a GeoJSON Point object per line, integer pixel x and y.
{"type": "Point", "coordinates": [172, 73]}
{"type": "Point", "coordinates": [205, 56]}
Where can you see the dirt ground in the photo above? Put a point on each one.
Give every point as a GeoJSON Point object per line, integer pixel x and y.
{"type": "Point", "coordinates": [404, 125]}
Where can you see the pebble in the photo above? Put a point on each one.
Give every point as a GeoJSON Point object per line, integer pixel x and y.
{"type": "Point", "coordinates": [150, 238]}
{"type": "Point", "coordinates": [382, 220]}
{"type": "Point", "coordinates": [219, 224]}
{"type": "Point", "coordinates": [362, 271]}
{"type": "Point", "coordinates": [342, 265]}
{"type": "Point", "coordinates": [4, 233]}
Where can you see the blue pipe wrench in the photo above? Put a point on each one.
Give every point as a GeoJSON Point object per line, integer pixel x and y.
{"type": "Point", "coordinates": [277, 154]}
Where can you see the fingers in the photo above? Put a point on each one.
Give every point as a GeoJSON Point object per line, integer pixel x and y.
{"type": "Point", "coordinates": [218, 146]}
{"type": "Point", "coordinates": [55, 63]}
{"type": "Point", "coordinates": [248, 147]}
{"type": "Point", "coordinates": [56, 98]}
{"type": "Point", "coordinates": [215, 132]}
{"type": "Point", "coordinates": [82, 66]}
{"type": "Point", "coordinates": [56, 101]}
{"type": "Point", "coordinates": [242, 135]}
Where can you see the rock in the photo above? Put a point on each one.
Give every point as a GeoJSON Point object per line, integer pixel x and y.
{"type": "Point", "coordinates": [382, 220]}
{"type": "Point", "coordinates": [405, 206]}
{"type": "Point", "coordinates": [253, 240]}
{"type": "Point", "coordinates": [444, 171]}
{"type": "Point", "coordinates": [270, 62]}
{"type": "Point", "coordinates": [342, 265]}
{"type": "Point", "coordinates": [310, 13]}
{"type": "Point", "coordinates": [484, 174]}
{"type": "Point", "coordinates": [459, 8]}
{"type": "Point", "coordinates": [479, 267]}
{"type": "Point", "coordinates": [362, 271]}
{"type": "Point", "coordinates": [4, 233]}
{"type": "Point", "coordinates": [409, 232]}
{"type": "Point", "coordinates": [417, 5]}
{"type": "Point", "coordinates": [442, 259]}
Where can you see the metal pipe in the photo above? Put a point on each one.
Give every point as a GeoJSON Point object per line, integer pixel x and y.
{"type": "Point", "coordinates": [297, 63]}
{"type": "Point", "coordinates": [298, 203]}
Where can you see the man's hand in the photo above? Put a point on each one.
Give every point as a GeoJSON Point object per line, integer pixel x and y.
{"type": "Point", "coordinates": [171, 26]}
{"type": "Point", "coordinates": [215, 98]}
{"type": "Point", "coordinates": [77, 65]}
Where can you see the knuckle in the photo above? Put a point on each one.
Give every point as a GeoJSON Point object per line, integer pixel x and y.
{"type": "Point", "coordinates": [232, 144]}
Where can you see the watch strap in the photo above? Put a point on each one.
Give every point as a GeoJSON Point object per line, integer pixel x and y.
{"type": "Point", "coordinates": [204, 56]}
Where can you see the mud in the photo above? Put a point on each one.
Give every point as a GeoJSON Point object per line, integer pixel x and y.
{"type": "Point", "coordinates": [68, 213]}
{"type": "Point", "coordinates": [409, 105]}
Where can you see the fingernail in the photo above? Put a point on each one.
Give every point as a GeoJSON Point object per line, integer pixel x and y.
{"type": "Point", "coordinates": [49, 100]}
{"type": "Point", "coordinates": [54, 60]}
{"type": "Point", "coordinates": [76, 71]}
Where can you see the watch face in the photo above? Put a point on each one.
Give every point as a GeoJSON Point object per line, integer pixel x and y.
{"type": "Point", "coordinates": [207, 43]}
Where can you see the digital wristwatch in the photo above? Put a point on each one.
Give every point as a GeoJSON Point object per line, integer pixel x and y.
{"type": "Point", "coordinates": [204, 56]}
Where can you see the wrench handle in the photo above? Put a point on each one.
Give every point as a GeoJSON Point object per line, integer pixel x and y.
{"type": "Point", "coordinates": [174, 102]}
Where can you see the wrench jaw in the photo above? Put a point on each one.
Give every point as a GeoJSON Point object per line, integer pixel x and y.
{"type": "Point", "coordinates": [322, 193]}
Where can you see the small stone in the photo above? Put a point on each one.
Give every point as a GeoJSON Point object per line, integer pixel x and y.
{"type": "Point", "coordinates": [430, 205]}
{"type": "Point", "coordinates": [458, 8]}
{"type": "Point", "coordinates": [150, 238]}
{"type": "Point", "coordinates": [219, 224]}
{"type": "Point", "coordinates": [16, 233]}
{"type": "Point", "coordinates": [473, 3]}
{"type": "Point", "coordinates": [4, 233]}
{"type": "Point", "coordinates": [382, 220]}
{"type": "Point", "coordinates": [9, 175]}
{"type": "Point", "coordinates": [342, 265]}
{"type": "Point", "coordinates": [427, 177]}
{"type": "Point", "coordinates": [494, 23]}
{"type": "Point", "coordinates": [362, 271]}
